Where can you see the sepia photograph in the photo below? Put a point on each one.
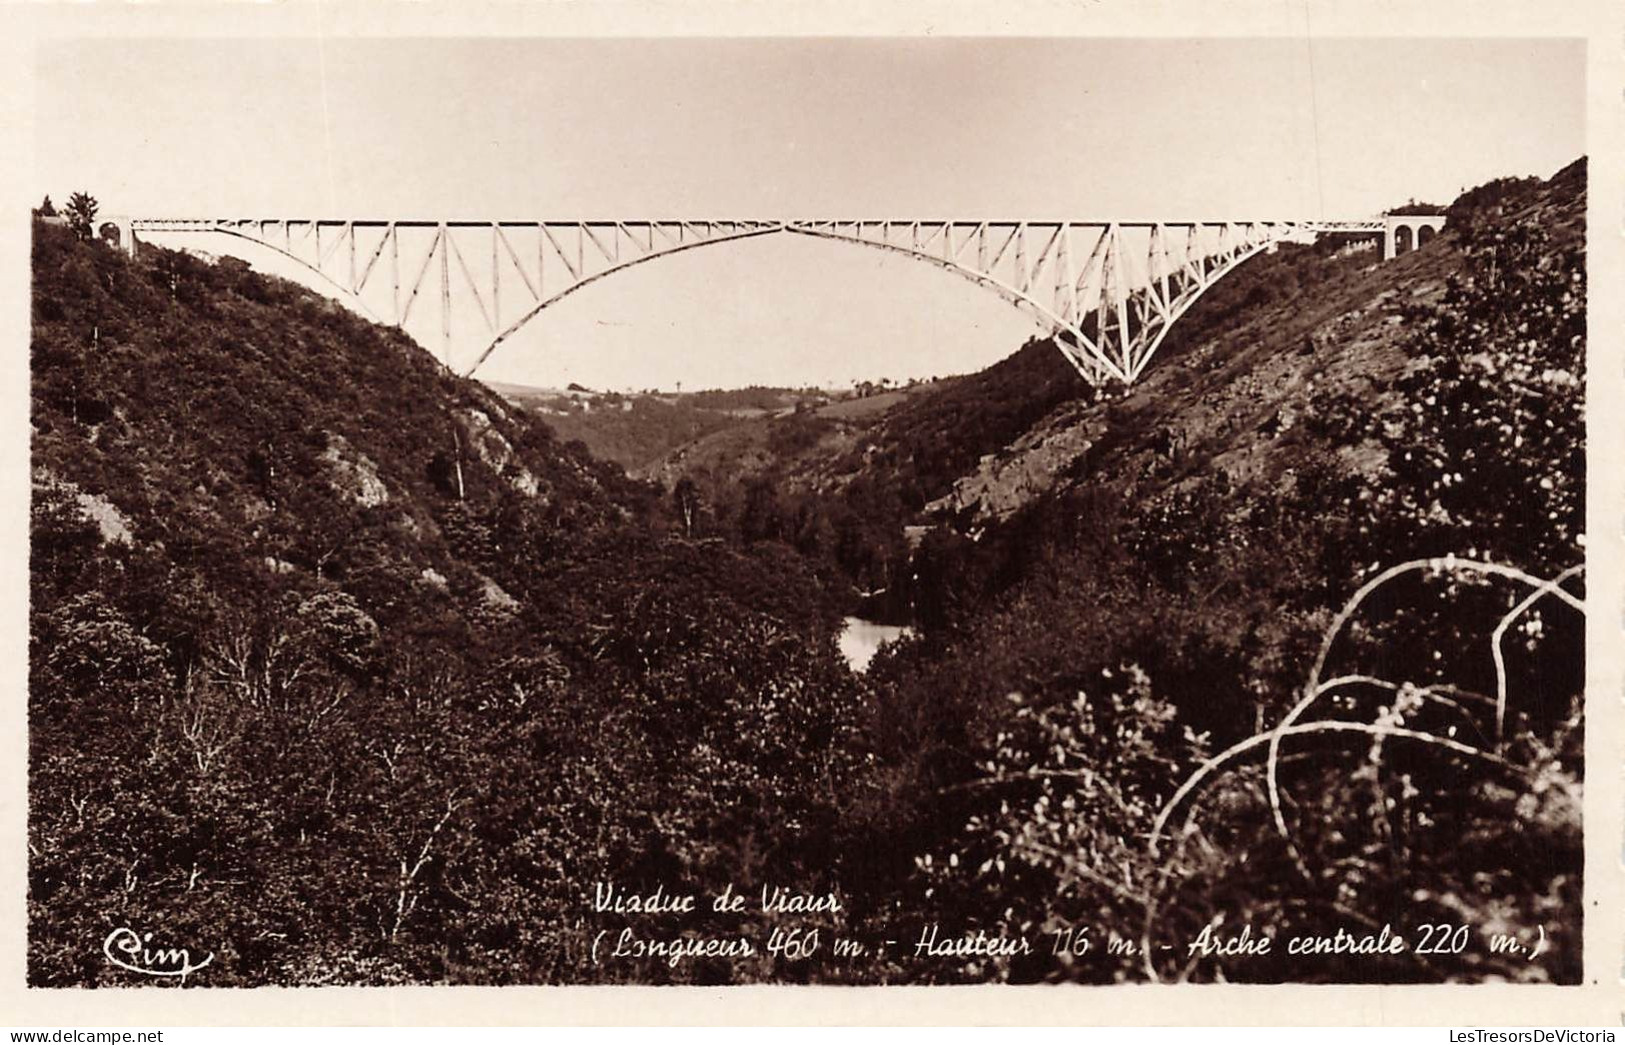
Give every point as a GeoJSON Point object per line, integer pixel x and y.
{"type": "Point", "coordinates": [778, 510]}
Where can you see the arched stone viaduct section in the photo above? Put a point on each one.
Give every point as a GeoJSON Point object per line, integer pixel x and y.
{"type": "Point", "coordinates": [1108, 292]}
{"type": "Point", "coordinates": [1403, 233]}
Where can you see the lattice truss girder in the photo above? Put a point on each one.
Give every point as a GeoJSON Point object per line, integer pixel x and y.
{"type": "Point", "coordinates": [1108, 292]}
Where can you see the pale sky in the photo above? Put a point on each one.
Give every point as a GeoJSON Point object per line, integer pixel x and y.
{"type": "Point", "coordinates": [631, 129]}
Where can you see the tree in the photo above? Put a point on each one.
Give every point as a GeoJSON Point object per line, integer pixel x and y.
{"type": "Point", "coordinates": [687, 496]}
{"type": "Point", "coordinates": [82, 207]}
{"type": "Point", "coordinates": [762, 518]}
{"type": "Point", "coordinates": [63, 539]}
{"type": "Point", "coordinates": [46, 209]}
{"type": "Point", "coordinates": [97, 659]}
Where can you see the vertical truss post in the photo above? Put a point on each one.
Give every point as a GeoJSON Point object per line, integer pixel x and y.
{"type": "Point", "coordinates": [1118, 297]}
{"type": "Point", "coordinates": [395, 270]}
{"type": "Point", "coordinates": [445, 294]}
{"type": "Point", "coordinates": [1063, 275]}
{"type": "Point", "coordinates": [349, 231]}
{"type": "Point", "coordinates": [1161, 235]}
{"type": "Point", "coordinates": [1100, 259]}
{"type": "Point", "coordinates": [1021, 257]}
{"type": "Point", "coordinates": [1103, 294]}
{"type": "Point", "coordinates": [496, 281]}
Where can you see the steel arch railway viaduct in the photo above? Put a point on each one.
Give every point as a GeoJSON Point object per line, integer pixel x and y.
{"type": "Point", "coordinates": [1107, 291]}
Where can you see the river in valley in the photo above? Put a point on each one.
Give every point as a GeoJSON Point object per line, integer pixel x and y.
{"type": "Point", "coordinates": [861, 639]}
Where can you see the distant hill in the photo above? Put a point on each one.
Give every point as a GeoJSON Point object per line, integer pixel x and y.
{"type": "Point", "coordinates": [636, 430]}
{"type": "Point", "coordinates": [628, 429]}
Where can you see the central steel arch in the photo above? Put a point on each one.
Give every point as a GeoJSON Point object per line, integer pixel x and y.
{"type": "Point", "coordinates": [1107, 292]}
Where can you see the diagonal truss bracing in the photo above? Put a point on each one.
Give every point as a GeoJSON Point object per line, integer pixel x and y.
{"type": "Point", "coordinates": [1107, 292]}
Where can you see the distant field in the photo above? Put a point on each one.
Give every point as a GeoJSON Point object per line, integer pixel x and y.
{"type": "Point", "coordinates": [639, 431]}
{"type": "Point", "coordinates": [869, 406]}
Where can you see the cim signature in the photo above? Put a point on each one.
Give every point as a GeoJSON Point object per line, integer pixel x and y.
{"type": "Point", "coordinates": [149, 961]}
